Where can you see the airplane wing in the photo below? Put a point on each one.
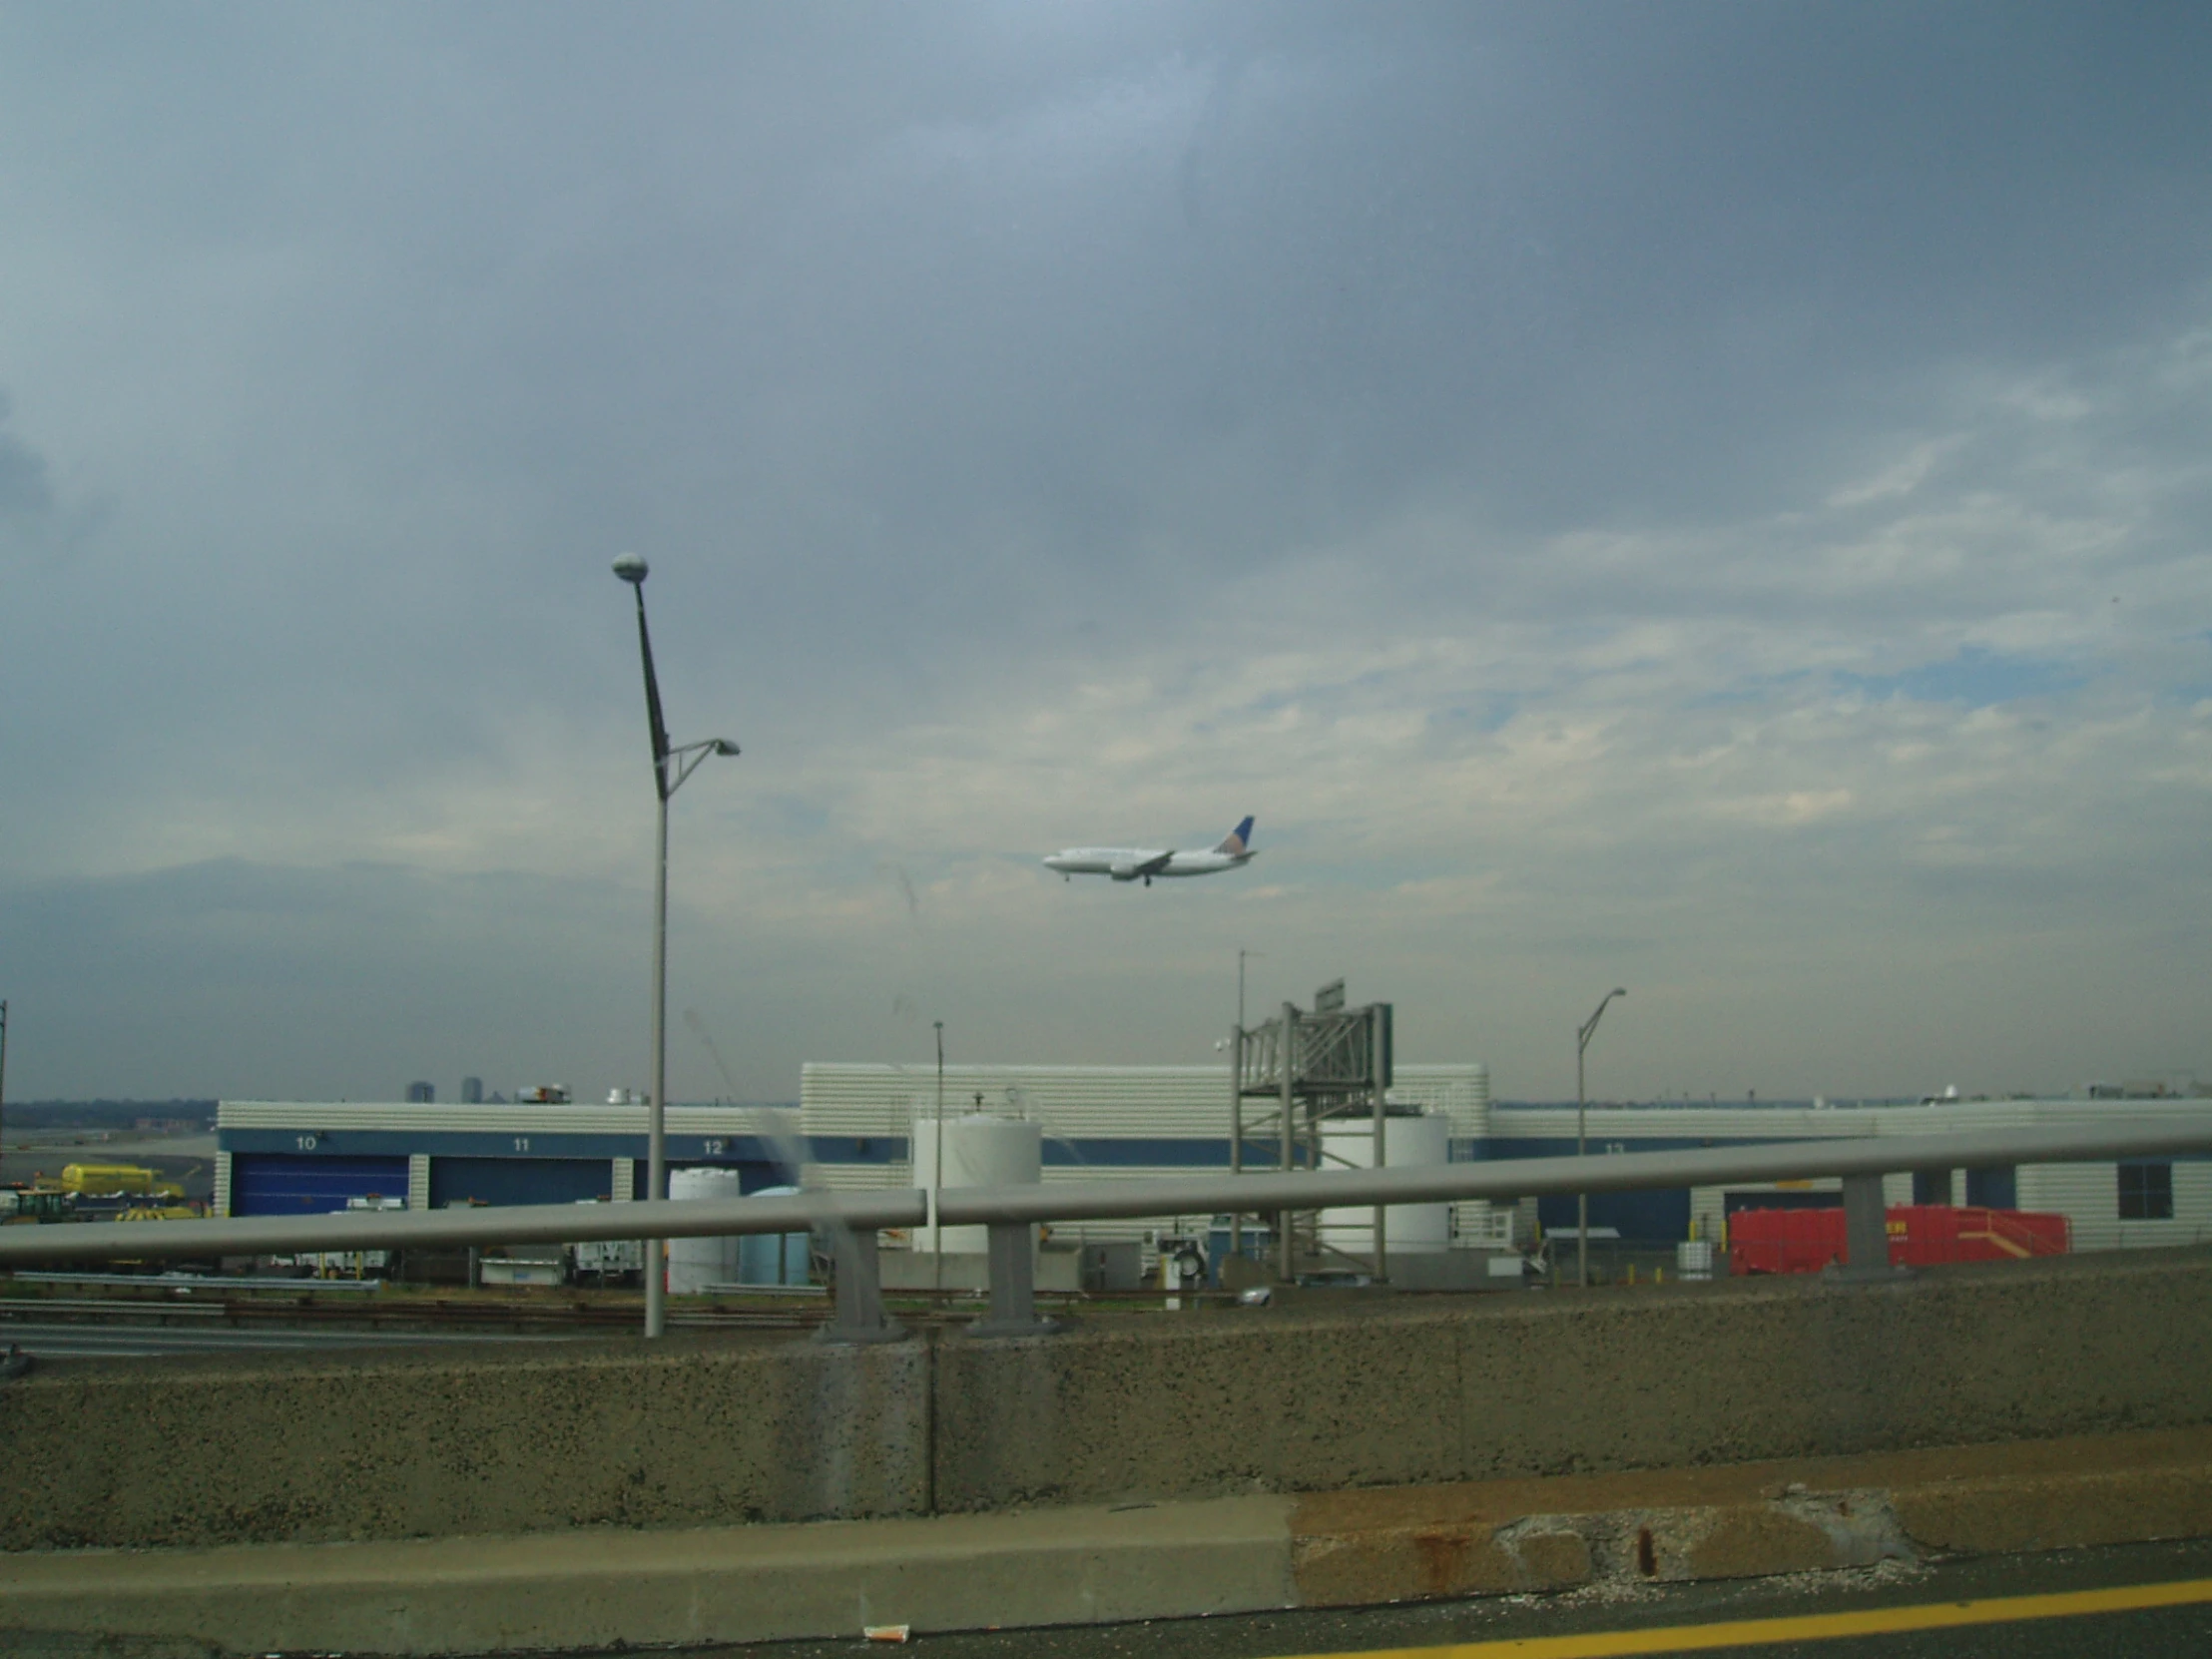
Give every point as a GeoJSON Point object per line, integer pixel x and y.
{"type": "Point", "coordinates": [1155, 865]}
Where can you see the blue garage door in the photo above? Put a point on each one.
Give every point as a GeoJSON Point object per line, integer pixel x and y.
{"type": "Point", "coordinates": [518, 1179]}
{"type": "Point", "coordinates": [1642, 1217]}
{"type": "Point", "coordinates": [283, 1184]}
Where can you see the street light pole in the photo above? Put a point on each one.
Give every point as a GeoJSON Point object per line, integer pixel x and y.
{"type": "Point", "coordinates": [1236, 1099]}
{"type": "Point", "coordinates": [936, 1173]}
{"type": "Point", "coordinates": [671, 766]}
{"type": "Point", "coordinates": [1583, 1035]}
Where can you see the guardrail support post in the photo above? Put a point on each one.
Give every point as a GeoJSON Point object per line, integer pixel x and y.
{"type": "Point", "coordinates": [858, 1315]}
{"type": "Point", "coordinates": [1013, 1286]}
{"type": "Point", "coordinates": [1865, 1231]}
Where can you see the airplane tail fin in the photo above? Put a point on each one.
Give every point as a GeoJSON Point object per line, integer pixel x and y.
{"type": "Point", "coordinates": [1238, 840]}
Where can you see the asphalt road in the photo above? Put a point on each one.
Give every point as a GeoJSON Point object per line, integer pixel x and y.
{"type": "Point", "coordinates": [1578, 1625]}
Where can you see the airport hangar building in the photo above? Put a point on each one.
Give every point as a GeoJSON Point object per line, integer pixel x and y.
{"type": "Point", "coordinates": [855, 1124]}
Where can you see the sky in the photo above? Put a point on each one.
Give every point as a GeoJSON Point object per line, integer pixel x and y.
{"type": "Point", "coordinates": [1715, 500]}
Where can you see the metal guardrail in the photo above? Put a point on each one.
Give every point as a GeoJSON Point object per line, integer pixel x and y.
{"type": "Point", "coordinates": [853, 1219]}
{"type": "Point", "coordinates": [202, 1282]}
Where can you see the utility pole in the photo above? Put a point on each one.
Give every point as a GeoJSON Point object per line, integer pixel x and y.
{"type": "Point", "coordinates": [1583, 1035]}
{"type": "Point", "coordinates": [1236, 1099]}
{"type": "Point", "coordinates": [936, 1172]}
{"type": "Point", "coordinates": [672, 764]}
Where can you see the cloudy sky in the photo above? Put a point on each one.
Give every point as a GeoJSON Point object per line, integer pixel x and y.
{"type": "Point", "coordinates": [1716, 500]}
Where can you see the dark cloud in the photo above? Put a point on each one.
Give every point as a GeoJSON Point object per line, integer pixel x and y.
{"type": "Point", "coordinates": [957, 366]}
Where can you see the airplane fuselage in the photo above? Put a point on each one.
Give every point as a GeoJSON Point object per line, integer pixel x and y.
{"type": "Point", "coordinates": [1135, 863]}
{"type": "Point", "coordinates": [1142, 863]}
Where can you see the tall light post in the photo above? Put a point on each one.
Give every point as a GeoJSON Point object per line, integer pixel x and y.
{"type": "Point", "coordinates": [1583, 1035]}
{"type": "Point", "coordinates": [1236, 1099]}
{"type": "Point", "coordinates": [936, 1173]}
{"type": "Point", "coordinates": [671, 766]}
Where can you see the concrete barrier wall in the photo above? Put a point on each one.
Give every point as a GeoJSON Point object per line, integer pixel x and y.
{"type": "Point", "coordinates": [1300, 1399]}
{"type": "Point", "coordinates": [502, 1439]}
{"type": "Point", "coordinates": [1546, 1385]}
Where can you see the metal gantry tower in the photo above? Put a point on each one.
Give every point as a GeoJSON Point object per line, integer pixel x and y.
{"type": "Point", "coordinates": [1288, 1078]}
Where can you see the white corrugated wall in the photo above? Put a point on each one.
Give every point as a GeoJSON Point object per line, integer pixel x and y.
{"type": "Point", "coordinates": [2089, 1195]}
{"type": "Point", "coordinates": [2086, 1194]}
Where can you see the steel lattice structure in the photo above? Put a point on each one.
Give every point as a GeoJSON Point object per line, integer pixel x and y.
{"type": "Point", "coordinates": [1290, 1075]}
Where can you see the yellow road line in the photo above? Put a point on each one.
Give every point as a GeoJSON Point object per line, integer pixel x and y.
{"type": "Point", "coordinates": [1811, 1627]}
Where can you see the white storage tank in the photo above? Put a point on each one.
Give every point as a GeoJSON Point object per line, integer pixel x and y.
{"type": "Point", "coordinates": [979, 1151]}
{"type": "Point", "coordinates": [774, 1258]}
{"type": "Point", "coordinates": [693, 1264]}
{"type": "Point", "coordinates": [1407, 1142]}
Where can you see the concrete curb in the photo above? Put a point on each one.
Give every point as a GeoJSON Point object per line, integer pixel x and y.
{"type": "Point", "coordinates": [712, 1584]}
{"type": "Point", "coordinates": [1103, 1564]}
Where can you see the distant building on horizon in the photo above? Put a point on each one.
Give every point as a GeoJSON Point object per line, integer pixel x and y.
{"type": "Point", "coordinates": [473, 1091]}
{"type": "Point", "coordinates": [421, 1094]}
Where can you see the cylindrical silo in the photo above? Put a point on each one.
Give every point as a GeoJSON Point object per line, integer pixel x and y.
{"type": "Point", "coordinates": [774, 1258]}
{"type": "Point", "coordinates": [979, 1151]}
{"type": "Point", "coordinates": [1407, 1142]}
{"type": "Point", "coordinates": [693, 1264]}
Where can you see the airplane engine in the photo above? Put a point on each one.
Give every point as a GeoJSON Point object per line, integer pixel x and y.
{"type": "Point", "coordinates": [1125, 872]}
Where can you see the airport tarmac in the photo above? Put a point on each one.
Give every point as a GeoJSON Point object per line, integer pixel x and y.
{"type": "Point", "coordinates": [186, 1157]}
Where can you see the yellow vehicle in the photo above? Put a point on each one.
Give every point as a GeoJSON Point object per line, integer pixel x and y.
{"type": "Point", "coordinates": [159, 1212]}
{"type": "Point", "coordinates": [115, 1181]}
{"type": "Point", "coordinates": [162, 1211]}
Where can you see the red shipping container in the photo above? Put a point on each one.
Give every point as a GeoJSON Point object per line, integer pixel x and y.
{"type": "Point", "coordinates": [1920, 1234]}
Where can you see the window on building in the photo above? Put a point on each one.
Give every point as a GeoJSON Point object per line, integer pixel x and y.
{"type": "Point", "coordinates": [2146, 1191]}
{"type": "Point", "coordinates": [1931, 1186]}
{"type": "Point", "coordinates": [1993, 1189]}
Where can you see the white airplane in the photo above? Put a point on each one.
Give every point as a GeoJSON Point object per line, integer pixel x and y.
{"type": "Point", "coordinates": [1142, 863]}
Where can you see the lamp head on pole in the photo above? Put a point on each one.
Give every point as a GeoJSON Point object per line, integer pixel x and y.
{"type": "Point", "coordinates": [631, 569]}
{"type": "Point", "coordinates": [1588, 1028]}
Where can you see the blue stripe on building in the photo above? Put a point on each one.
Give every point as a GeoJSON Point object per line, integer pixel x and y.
{"type": "Point", "coordinates": [685, 1149]}
{"type": "Point", "coordinates": [1662, 1215]}
{"type": "Point", "coordinates": [1562, 1145]}
{"type": "Point", "coordinates": [300, 1171]}
{"type": "Point", "coordinates": [1097, 1151]}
